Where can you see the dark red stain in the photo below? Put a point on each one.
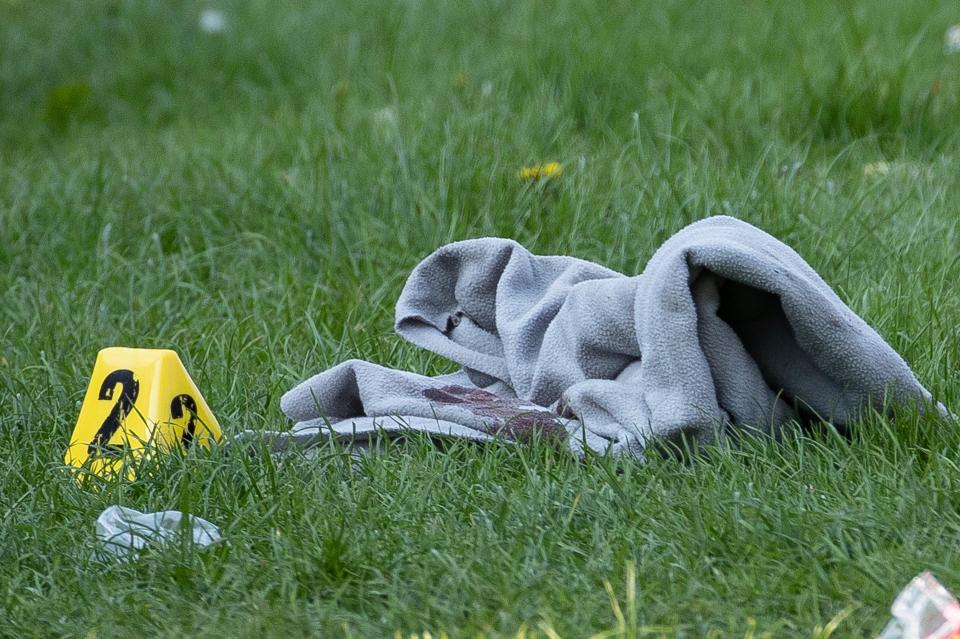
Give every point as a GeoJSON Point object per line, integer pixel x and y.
{"type": "Point", "coordinates": [515, 419]}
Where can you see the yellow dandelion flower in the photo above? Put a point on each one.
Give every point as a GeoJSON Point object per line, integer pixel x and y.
{"type": "Point", "coordinates": [540, 171]}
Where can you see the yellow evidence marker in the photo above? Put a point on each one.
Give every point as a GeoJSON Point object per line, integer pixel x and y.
{"type": "Point", "coordinates": [138, 400]}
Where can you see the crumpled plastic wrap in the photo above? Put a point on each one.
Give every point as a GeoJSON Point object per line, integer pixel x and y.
{"type": "Point", "coordinates": [125, 531]}
{"type": "Point", "coordinates": [923, 610]}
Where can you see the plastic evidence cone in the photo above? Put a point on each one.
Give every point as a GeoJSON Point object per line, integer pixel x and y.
{"type": "Point", "coordinates": [138, 400]}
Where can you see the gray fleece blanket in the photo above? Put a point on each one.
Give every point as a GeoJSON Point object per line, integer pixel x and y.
{"type": "Point", "coordinates": [726, 331]}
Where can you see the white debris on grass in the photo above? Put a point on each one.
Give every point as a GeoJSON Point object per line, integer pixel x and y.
{"type": "Point", "coordinates": [213, 21]}
{"type": "Point", "coordinates": [124, 532]}
{"type": "Point", "coordinates": [951, 40]}
{"type": "Point", "coordinates": [923, 610]}
{"type": "Point", "coordinates": [386, 117]}
{"type": "Point", "coordinates": [386, 123]}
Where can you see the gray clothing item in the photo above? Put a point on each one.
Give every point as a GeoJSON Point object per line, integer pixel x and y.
{"type": "Point", "coordinates": [726, 330]}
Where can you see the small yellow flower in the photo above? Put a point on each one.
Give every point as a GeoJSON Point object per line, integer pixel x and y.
{"type": "Point", "coordinates": [540, 171]}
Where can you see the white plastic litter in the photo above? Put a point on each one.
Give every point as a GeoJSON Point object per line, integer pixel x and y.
{"type": "Point", "coordinates": [125, 531]}
{"type": "Point", "coordinates": [923, 610]}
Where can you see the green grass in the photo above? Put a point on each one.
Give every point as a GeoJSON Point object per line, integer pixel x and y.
{"type": "Point", "coordinates": [254, 200]}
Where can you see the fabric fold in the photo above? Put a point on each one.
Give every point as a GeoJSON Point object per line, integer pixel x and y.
{"type": "Point", "coordinates": [727, 329]}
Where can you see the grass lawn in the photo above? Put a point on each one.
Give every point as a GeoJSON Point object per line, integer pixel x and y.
{"type": "Point", "coordinates": [254, 199]}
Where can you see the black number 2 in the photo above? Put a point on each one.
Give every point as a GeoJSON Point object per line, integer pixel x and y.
{"type": "Point", "coordinates": [130, 388]}
{"type": "Point", "coordinates": [179, 403]}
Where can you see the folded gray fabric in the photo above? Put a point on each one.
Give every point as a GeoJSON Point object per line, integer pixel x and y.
{"type": "Point", "coordinates": [727, 330]}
